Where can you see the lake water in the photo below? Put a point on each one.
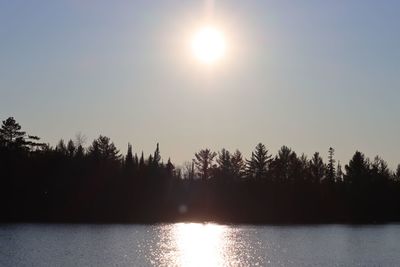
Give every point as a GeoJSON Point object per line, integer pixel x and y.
{"type": "Point", "coordinates": [190, 244]}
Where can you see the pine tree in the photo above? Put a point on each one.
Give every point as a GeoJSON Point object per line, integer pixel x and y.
{"type": "Point", "coordinates": [141, 161]}
{"type": "Point", "coordinates": [357, 170]}
{"type": "Point", "coordinates": [238, 165]}
{"type": "Point", "coordinates": [103, 149]}
{"type": "Point", "coordinates": [397, 173]}
{"type": "Point", "coordinates": [11, 135]}
{"type": "Point", "coordinates": [224, 163]}
{"type": "Point", "coordinates": [150, 161]}
{"type": "Point", "coordinates": [170, 168]}
{"type": "Point", "coordinates": [61, 148]}
{"type": "Point", "coordinates": [80, 152]}
{"type": "Point", "coordinates": [258, 164]}
{"type": "Point", "coordinates": [204, 163]}
{"type": "Point", "coordinates": [156, 158]}
{"type": "Point", "coordinates": [71, 148]}
{"type": "Point", "coordinates": [129, 163]}
{"type": "Point", "coordinates": [317, 168]}
{"type": "Point", "coordinates": [136, 160]}
{"type": "Point", "coordinates": [331, 172]}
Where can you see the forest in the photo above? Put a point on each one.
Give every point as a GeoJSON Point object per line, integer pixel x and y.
{"type": "Point", "coordinates": [74, 183]}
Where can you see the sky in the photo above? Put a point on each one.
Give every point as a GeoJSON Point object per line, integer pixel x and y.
{"type": "Point", "coordinates": [306, 74]}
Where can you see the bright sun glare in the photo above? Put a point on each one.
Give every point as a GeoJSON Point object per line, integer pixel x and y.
{"type": "Point", "coordinates": [208, 45]}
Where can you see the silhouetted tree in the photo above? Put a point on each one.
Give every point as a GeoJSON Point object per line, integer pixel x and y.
{"type": "Point", "coordinates": [141, 161]}
{"type": "Point", "coordinates": [357, 169]}
{"type": "Point", "coordinates": [397, 173]}
{"type": "Point", "coordinates": [80, 152]}
{"type": "Point", "coordinates": [103, 149]}
{"type": "Point", "coordinates": [204, 163]}
{"type": "Point", "coordinates": [258, 164]}
{"type": "Point", "coordinates": [331, 172]}
{"type": "Point", "coordinates": [71, 148]}
{"type": "Point", "coordinates": [238, 165]}
{"type": "Point", "coordinates": [285, 165]}
{"type": "Point", "coordinates": [170, 168]}
{"type": "Point", "coordinates": [69, 183]}
{"type": "Point", "coordinates": [317, 168]}
{"type": "Point", "coordinates": [224, 164]}
{"type": "Point", "coordinates": [61, 148]}
{"type": "Point", "coordinates": [136, 160]}
{"type": "Point", "coordinates": [11, 135]}
{"type": "Point", "coordinates": [379, 170]}
{"type": "Point", "coordinates": [129, 162]}
{"type": "Point", "coordinates": [150, 160]}
{"type": "Point", "coordinates": [156, 158]}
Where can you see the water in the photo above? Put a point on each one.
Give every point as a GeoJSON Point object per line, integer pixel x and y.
{"type": "Point", "coordinates": [199, 245]}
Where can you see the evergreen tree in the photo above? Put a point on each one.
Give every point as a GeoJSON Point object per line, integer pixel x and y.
{"type": "Point", "coordinates": [141, 161]}
{"type": "Point", "coordinates": [397, 173]}
{"type": "Point", "coordinates": [136, 160]}
{"type": "Point", "coordinates": [61, 148]}
{"type": "Point", "coordinates": [11, 135]}
{"type": "Point", "coordinates": [71, 148]}
{"type": "Point", "coordinates": [80, 152]}
{"type": "Point", "coordinates": [150, 161]}
{"type": "Point", "coordinates": [357, 170]}
{"type": "Point", "coordinates": [317, 168]}
{"type": "Point", "coordinates": [204, 163]}
{"type": "Point", "coordinates": [224, 164]}
{"type": "Point", "coordinates": [33, 144]}
{"type": "Point", "coordinates": [170, 168]}
{"type": "Point", "coordinates": [304, 168]}
{"type": "Point", "coordinates": [157, 157]}
{"type": "Point", "coordinates": [103, 149]}
{"type": "Point", "coordinates": [129, 163]}
{"type": "Point", "coordinates": [331, 172]}
{"type": "Point", "coordinates": [379, 170]}
{"type": "Point", "coordinates": [258, 164]}
{"type": "Point", "coordinates": [237, 164]}
{"type": "Point", "coordinates": [285, 165]}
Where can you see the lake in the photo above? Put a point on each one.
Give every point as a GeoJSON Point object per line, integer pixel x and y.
{"type": "Point", "coordinates": [192, 244]}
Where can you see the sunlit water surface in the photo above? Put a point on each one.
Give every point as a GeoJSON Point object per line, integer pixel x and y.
{"type": "Point", "coordinates": [193, 244]}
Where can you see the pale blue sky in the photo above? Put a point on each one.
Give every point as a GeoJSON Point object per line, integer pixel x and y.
{"type": "Point", "coordinates": [307, 74]}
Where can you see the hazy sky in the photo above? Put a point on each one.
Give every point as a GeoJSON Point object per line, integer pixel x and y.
{"type": "Point", "coordinates": [307, 74]}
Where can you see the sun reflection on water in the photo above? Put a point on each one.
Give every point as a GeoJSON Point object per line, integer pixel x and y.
{"type": "Point", "coordinates": [199, 244]}
{"type": "Point", "coordinates": [208, 245]}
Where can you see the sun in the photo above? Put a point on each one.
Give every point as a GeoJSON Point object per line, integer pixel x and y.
{"type": "Point", "coordinates": [208, 45]}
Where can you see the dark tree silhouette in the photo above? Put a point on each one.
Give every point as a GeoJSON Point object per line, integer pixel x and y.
{"type": "Point", "coordinates": [285, 164]}
{"type": "Point", "coordinates": [257, 166]}
{"type": "Point", "coordinates": [102, 149]}
{"type": "Point", "coordinates": [157, 157]}
{"type": "Point", "coordinates": [331, 171]}
{"type": "Point", "coordinates": [170, 168]}
{"type": "Point", "coordinates": [61, 148]}
{"type": "Point", "coordinates": [72, 183]}
{"type": "Point", "coordinates": [397, 173]}
{"type": "Point", "coordinates": [129, 161]}
{"type": "Point", "coordinates": [238, 165]}
{"type": "Point", "coordinates": [317, 168]}
{"type": "Point", "coordinates": [71, 148]}
{"type": "Point", "coordinates": [357, 170]}
{"type": "Point", "coordinates": [224, 164]}
{"type": "Point", "coordinates": [204, 161]}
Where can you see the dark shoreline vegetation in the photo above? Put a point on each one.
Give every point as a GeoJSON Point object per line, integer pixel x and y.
{"type": "Point", "coordinates": [72, 184]}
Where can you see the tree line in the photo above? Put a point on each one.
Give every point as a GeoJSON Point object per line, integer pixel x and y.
{"type": "Point", "coordinates": [74, 183]}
